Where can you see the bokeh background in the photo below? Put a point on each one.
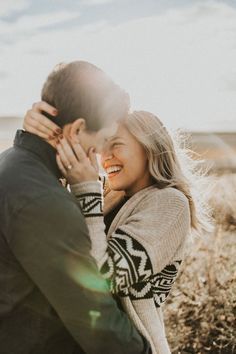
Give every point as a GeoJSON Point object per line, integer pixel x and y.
{"type": "Point", "coordinates": [176, 58]}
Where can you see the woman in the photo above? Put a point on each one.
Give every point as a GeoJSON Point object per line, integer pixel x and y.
{"type": "Point", "coordinates": [149, 214]}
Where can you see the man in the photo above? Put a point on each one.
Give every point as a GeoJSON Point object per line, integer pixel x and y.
{"type": "Point", "coordinates": [52, 298]}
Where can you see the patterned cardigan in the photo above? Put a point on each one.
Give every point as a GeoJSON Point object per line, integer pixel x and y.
{"type": "Point", "coordinates": [142, 252]}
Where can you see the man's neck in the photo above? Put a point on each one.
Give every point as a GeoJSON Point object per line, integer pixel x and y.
{"type": "Point", "coordinates": [40, 147]}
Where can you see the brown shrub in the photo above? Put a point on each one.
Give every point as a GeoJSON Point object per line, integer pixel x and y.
{"type": "Point", "coordinates": [201, 310]}
{"type": "Point", "coordinates": [223, 201]}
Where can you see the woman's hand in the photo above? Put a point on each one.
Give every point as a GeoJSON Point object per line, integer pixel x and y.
{"type": "Point", "coordinates": [36, 123]}
{"type": "Point", "coordinates": [73, 162]}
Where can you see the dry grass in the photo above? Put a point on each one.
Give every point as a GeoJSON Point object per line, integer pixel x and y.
{"type": "Point", "coordinates": [223, 200]}
{"type": "Point", "coordinates": [200, 314]}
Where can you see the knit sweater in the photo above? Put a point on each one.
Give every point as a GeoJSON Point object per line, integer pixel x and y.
{"type": "Point", "coordinates": [142, 252]}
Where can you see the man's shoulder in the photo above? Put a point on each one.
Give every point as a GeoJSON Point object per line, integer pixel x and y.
{"type": "Point", "coordinates": [20, 172]}
{"type": "Point", "coordinates": [52, 201]}
{"type": "Point", "coordinates": [13, 163]}
{"type": "Point", "coordinates": [25, 181]}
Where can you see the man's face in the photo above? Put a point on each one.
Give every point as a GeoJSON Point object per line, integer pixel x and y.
{"type": "Point", "coordinates": [97, 139]}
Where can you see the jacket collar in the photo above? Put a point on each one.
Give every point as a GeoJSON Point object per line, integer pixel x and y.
{"type": "Point", "coordinates": [39, 147]}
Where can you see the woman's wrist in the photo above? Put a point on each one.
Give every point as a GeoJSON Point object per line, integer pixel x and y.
{"type": "Point", "coordinates": [89, 195]}
{"type": "Point", "coordinates": [82, 188]}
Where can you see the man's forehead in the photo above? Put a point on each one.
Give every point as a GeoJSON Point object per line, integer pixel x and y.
{"type": "Point", "coordinates": [109, 131]}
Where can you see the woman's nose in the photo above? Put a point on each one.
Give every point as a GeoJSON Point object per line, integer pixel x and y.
{"type": "Point", "coordinates": [105, 156]}
{"type": "Point", "coordinates": [108, 157]}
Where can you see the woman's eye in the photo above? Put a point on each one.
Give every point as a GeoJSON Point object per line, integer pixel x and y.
{"type": "Point", "coordinates": [116, 144]}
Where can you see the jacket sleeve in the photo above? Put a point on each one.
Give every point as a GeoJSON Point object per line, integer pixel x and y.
{"type": "Point", "coordinates": [50, 240]}
{"type": "Point", "coordinates": [140, 249]}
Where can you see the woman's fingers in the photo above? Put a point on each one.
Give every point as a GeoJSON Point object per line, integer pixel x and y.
{"type": "Point", "coordinates": [66, 153]}
{"type": "Point", "coordinates": [41, 123]}
{"type": "Point", "coordinates": [35, 131]}
{"type": "Point", "coordinates": [66, 163]}
{"type": "Point", "coordinates": [79, 151]}
{"type": "Point", "coordinates": [61, 166]}
{"type": "Point", "coordinates": [44, 106]}
{"type": "Point", "coordinates": [48, 123]}
{"type": "Point", "coordinates": [35, 122]}
{"type": "Point", "coordinates": [76, 169]}
{"type": "Point", "coordinates": [93, 158]}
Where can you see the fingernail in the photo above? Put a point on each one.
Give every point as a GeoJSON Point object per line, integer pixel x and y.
{"type": "Point", "coordinates": [58, 131]}
{"type": "Point", "coordinates": [55, 112]}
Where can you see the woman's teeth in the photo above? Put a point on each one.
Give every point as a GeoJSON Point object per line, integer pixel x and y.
{"type": "Point", "coordinates": [113, 169]}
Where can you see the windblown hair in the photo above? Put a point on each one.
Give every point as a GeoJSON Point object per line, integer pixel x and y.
{"type": "Point", "coordinates": [170, 165]}
{"type": "Point", "coordinates": [82, 90]}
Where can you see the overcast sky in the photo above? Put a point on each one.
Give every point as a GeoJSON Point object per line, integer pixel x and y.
{"type": "Point", "coordinates": [176, 58]}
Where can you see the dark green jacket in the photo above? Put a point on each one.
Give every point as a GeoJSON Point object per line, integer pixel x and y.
{"type": "Point", "coordinates": [52, 298]}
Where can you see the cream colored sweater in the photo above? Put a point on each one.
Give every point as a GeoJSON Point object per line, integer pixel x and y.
{"type": "Point", "coordinates": [142, 252]}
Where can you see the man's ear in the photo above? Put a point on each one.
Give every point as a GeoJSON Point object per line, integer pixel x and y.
{"type": "Point", "coordinates": [76, 127]}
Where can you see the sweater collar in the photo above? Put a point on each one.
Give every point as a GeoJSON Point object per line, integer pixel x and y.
{"type": "Point", "coordinates": [129, 205]}
{"type": "Point", "coordinates": [39, 147]}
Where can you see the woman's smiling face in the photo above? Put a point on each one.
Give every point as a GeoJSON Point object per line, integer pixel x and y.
{"type": "Point", "coordinates": [125, 162]}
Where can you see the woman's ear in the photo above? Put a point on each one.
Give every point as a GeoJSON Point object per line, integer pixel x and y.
{"type": "Point", "coordinates": [76, 127]}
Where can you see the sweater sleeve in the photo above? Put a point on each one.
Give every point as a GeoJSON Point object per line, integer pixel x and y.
{"type": "Point", "coordinates": [138, 249]}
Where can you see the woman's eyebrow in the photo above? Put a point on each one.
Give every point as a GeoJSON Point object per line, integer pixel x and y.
{"type": "Point", "coordinates": [115, 137]}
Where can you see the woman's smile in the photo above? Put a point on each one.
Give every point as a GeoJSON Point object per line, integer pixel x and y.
{"type": "Point", "coordinates": [113, 170]}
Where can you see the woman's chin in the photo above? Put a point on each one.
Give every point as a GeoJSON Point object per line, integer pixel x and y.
{"type": "Point", "coordinates": [116, 186]}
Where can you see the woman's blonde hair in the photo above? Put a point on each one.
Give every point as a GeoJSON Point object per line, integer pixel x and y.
{"type": "Point", "coordinates": [169, 164]}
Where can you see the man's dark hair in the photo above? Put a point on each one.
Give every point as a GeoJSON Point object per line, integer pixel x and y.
{"type": "Point", "coordinates": [82, 90]}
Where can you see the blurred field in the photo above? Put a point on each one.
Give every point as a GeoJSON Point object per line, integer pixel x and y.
{"type": "Point", "coordinates": [200, 314]}
{"type": "Point", "coordinates": [8, 127]}
{"type": "Point", "coordinates": [217, 149]}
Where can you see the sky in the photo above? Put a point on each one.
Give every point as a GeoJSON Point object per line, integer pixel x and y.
{"type": "Point", "coordinates": [176, 58]}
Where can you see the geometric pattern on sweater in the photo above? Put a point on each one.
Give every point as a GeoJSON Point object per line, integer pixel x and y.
{"type": "Point", "coordinates": [91, 204]}
{"type": "Point", "coordinates": [127, 263]}
{"type": "Point", "coordinates": [162, 282]}
{"type": "Point", "coordinates": [122, 283]}
{"type": "Point", "coordinates": [157, 286]}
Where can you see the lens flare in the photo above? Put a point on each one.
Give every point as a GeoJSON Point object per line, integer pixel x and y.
{"type": "Point", "coordinates": [87, 276]}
